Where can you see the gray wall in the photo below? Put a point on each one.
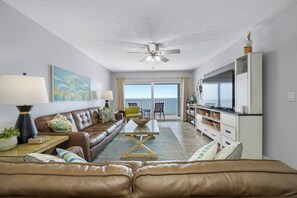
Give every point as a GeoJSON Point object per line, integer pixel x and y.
{"type": "Point", "coordinates": [277, 39]}
{"type": "Point", "coordinates": [27, 47]}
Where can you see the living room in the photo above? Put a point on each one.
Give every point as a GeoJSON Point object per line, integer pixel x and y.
{"type": "Point", "coordinates": [31, 41]}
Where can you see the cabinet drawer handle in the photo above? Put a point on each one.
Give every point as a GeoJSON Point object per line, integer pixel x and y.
{"type": "Point", "coordinates": [205, 130]}
{"type": "Point", "coordinates": [213, 135]}
{"type": "Point", "coordinates": [227, 143]}
{"type": "Point", "coordinates": [228, 131]}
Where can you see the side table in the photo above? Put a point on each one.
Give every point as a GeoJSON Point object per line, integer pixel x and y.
{"type": "Point", "coordinates": [18, 153]}
{"type": "Point", "coordinates": [146, 112]}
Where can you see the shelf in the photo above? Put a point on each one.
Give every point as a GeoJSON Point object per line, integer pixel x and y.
{"type": "Point", "coordinates": [212, 127]}
{"type": "Point", "coordinates": [211, 118]}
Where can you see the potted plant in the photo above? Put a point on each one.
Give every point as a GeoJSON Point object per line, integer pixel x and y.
{"type": "Point", "coordinates": [8, 138]}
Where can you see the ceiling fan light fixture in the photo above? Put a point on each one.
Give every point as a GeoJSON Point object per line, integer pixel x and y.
{"type": "Point", "coordinates": [155, 54]}
{"type": "Point", "coordinates": [157, 58]}
{"type": "Point", "coordinates": [148, 58]}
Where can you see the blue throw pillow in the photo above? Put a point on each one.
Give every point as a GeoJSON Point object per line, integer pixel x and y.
{"type": "Point", "coordinates": [69, 156]}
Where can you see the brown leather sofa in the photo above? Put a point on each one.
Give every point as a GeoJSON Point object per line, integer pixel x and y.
{"type": "Point", "coordinates": [93, 135]}
{"type": "Point", "coordinates": [223, 178]}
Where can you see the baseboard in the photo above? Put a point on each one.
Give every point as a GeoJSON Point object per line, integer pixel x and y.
{"type": "Point", "coordinates": [264, 157]}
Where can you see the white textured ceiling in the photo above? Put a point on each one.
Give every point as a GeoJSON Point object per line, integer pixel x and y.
{"type": "Point", "coordinates": [105, 29]}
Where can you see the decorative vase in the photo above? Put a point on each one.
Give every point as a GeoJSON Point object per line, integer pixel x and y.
{"type": "Point", "coordinates": [8, 143]}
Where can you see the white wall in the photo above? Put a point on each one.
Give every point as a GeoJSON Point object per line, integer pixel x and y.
{"type": "Point", "coordinates": [277, 39]}
{"type": "Point", "coordinates": [156, 76]}
{"type": "Point", "coordinates": [27, 47]}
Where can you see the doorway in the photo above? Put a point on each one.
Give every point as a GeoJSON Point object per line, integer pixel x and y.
{"type": "Point", "coordinates": [150, 96]}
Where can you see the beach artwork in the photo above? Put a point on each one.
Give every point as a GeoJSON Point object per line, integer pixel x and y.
{"type": "Point", "coordinates": [69, 86]}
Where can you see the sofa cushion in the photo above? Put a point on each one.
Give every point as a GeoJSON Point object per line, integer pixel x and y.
{"type": "Point", "coordinates": [61, 124]}
{"type": "Point", "coordinates": [118, 122]}
{"type": "Point", "coordinates": [207, 152]}
{"type": "Point", "coordinates": [232, 151]}
{"type": "Point", "coordinates": [82, 119]}
{"type": "Point", "coordinates": [65, 180]}
{"type": "Point", "coordinates": [38, 157]}
{"type": "Point", "coordinates": [106, 115]}
{"type": "Point", "coordinates": [69, 156]}
{"type": "Point", "coordinates": [219, 178]}
{"type": "Point", "coordinates": [41, 122]}
{"type": "Point", "coordinates": [94, 115]}
{"type": "Point", "coordinates": [96, 137]}
{"type": "Point", "coordinates": [132, 110]}
{"type": "Point", "coordinates": [133, 115]}
{"type": "Point", "coordinates": [109, 127]}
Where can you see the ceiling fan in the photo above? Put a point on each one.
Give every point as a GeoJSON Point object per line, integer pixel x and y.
{"type": "Point", "coordinates": [154, 53]}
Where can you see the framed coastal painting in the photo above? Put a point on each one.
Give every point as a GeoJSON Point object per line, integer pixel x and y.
{"type": "Point", "coordinates": [69, 86]}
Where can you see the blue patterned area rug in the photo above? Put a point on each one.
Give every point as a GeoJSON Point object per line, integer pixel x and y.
{"type": "Point", "coordinates": [166, 145]}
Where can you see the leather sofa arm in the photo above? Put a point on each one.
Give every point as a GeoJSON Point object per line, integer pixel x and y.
{"type": "Point", "coordinates": [75, 139]}
{"type": "Point", "coordinates": [77, 150]}
{"type": "Point", "coordinates": [118, 116]}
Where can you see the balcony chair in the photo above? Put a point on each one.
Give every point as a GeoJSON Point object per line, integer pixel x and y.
{"type": "Point", "coordinates": [159, 108]}
{"type": "Point", "coordinates": [133, 112]}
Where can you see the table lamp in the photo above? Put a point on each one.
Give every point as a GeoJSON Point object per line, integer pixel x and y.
{"type": "Point", "coordinates": [23, 91]}
{"type": "Point", "coordinates": [107, 95]}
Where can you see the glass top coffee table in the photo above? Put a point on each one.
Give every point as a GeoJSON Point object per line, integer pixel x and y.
{"type": "Point", "coordinates": [146, 132]}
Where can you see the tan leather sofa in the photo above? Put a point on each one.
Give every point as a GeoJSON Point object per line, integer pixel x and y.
{"type": "Point", "coordinates": [93, 135]}
{"type": "Point", "coordinates": [224, 178]}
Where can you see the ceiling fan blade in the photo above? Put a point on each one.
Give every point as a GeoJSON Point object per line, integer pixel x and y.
{"type": "Point", "coordinates": [135, 52]}
{"type": "Point", "coordinates": [144, 59]}
{"type": "Point", "coordinates": [162, 58]}
{"type": "Point", "coordinates": [172, 51]}
{"type": "Point", "coordinates": [121, 43]}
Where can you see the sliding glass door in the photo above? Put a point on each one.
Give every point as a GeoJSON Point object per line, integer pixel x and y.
{"type": "Point", "coordinates": [166, 100]}
{"type": "Point", "coordinates": [156, 100]}
{"type": "Point", "coordinates": [139, 95]}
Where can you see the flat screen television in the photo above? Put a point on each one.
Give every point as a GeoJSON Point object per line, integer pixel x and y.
{"type": "Point", "coordinates": [218, 90]}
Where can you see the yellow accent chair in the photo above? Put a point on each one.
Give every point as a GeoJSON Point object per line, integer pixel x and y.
{"type": "Point", "coordinates": [133, 112]}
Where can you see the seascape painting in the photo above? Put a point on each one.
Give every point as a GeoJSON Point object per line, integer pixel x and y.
{"type": "Point", "coordinates": [69, 86]}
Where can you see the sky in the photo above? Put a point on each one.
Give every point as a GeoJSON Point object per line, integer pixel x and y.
{"type": "Point", "coordinates": [144, 91]}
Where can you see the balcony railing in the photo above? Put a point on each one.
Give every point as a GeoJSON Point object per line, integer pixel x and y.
{"type": "Point", "coordinates": [170, 104]}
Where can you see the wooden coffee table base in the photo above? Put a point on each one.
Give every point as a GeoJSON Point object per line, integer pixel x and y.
{"type": "Point", "coordinates": [139, 143]}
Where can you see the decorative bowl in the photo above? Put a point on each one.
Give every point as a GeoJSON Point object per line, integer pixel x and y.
{"type": "Point", "coordinates": [141, 121]}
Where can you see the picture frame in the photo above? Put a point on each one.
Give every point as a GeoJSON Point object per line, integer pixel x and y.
{"type": "Point", "coordinates": [69, 86]}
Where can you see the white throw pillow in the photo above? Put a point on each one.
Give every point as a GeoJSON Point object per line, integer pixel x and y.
{"type": "Point", "coordinates": [37, 157]}
{"type": "Point", "coordinates": [207, 152]}
{"type": "Point", "coordinates": [233, 151]}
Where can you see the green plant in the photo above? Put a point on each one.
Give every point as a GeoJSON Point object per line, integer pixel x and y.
{"type": "Point", "coordinates": [8, 132]}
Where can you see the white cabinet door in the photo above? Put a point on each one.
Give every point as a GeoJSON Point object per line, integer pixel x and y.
{"type": "Point", "coordinates": [228, 119]}
{"type": "Point", "coordinates": [242, 90]}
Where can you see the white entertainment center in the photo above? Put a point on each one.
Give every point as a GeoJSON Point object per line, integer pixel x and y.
{"type": "Point", "coordinates": [245, 123]}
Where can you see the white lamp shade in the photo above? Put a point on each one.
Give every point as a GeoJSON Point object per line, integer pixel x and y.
{"type": "Point", "coordinates": [107, 95]}
{"type": "Point", "coordinates": [22, 90]}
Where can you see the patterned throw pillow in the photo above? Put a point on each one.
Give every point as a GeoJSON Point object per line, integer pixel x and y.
{"type": "Point", "coordinates": [69, 156]}
{"type": "Point", "coordinates": [37, 157]}
{"type": "Point", "coordinates": [233, 151]}
{"type": "Point", "coordinates": [207, 152]}
{"type": "Point", "coordinates": [61, 124]}
{"type": "Point", "coordinates": [106, 115]}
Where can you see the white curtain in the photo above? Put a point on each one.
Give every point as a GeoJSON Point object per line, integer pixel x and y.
{"type": "Point", "coordinates": [185, 84]}
{"type": "Point", "coordinates": [121, 91]}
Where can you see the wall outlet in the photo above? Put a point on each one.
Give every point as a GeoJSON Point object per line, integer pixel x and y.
{"type": "Point", "coordinates": [291, 96]}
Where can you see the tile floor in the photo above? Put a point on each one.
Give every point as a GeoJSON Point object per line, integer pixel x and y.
{"type": "Point", "coordinates": [187, 135]}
